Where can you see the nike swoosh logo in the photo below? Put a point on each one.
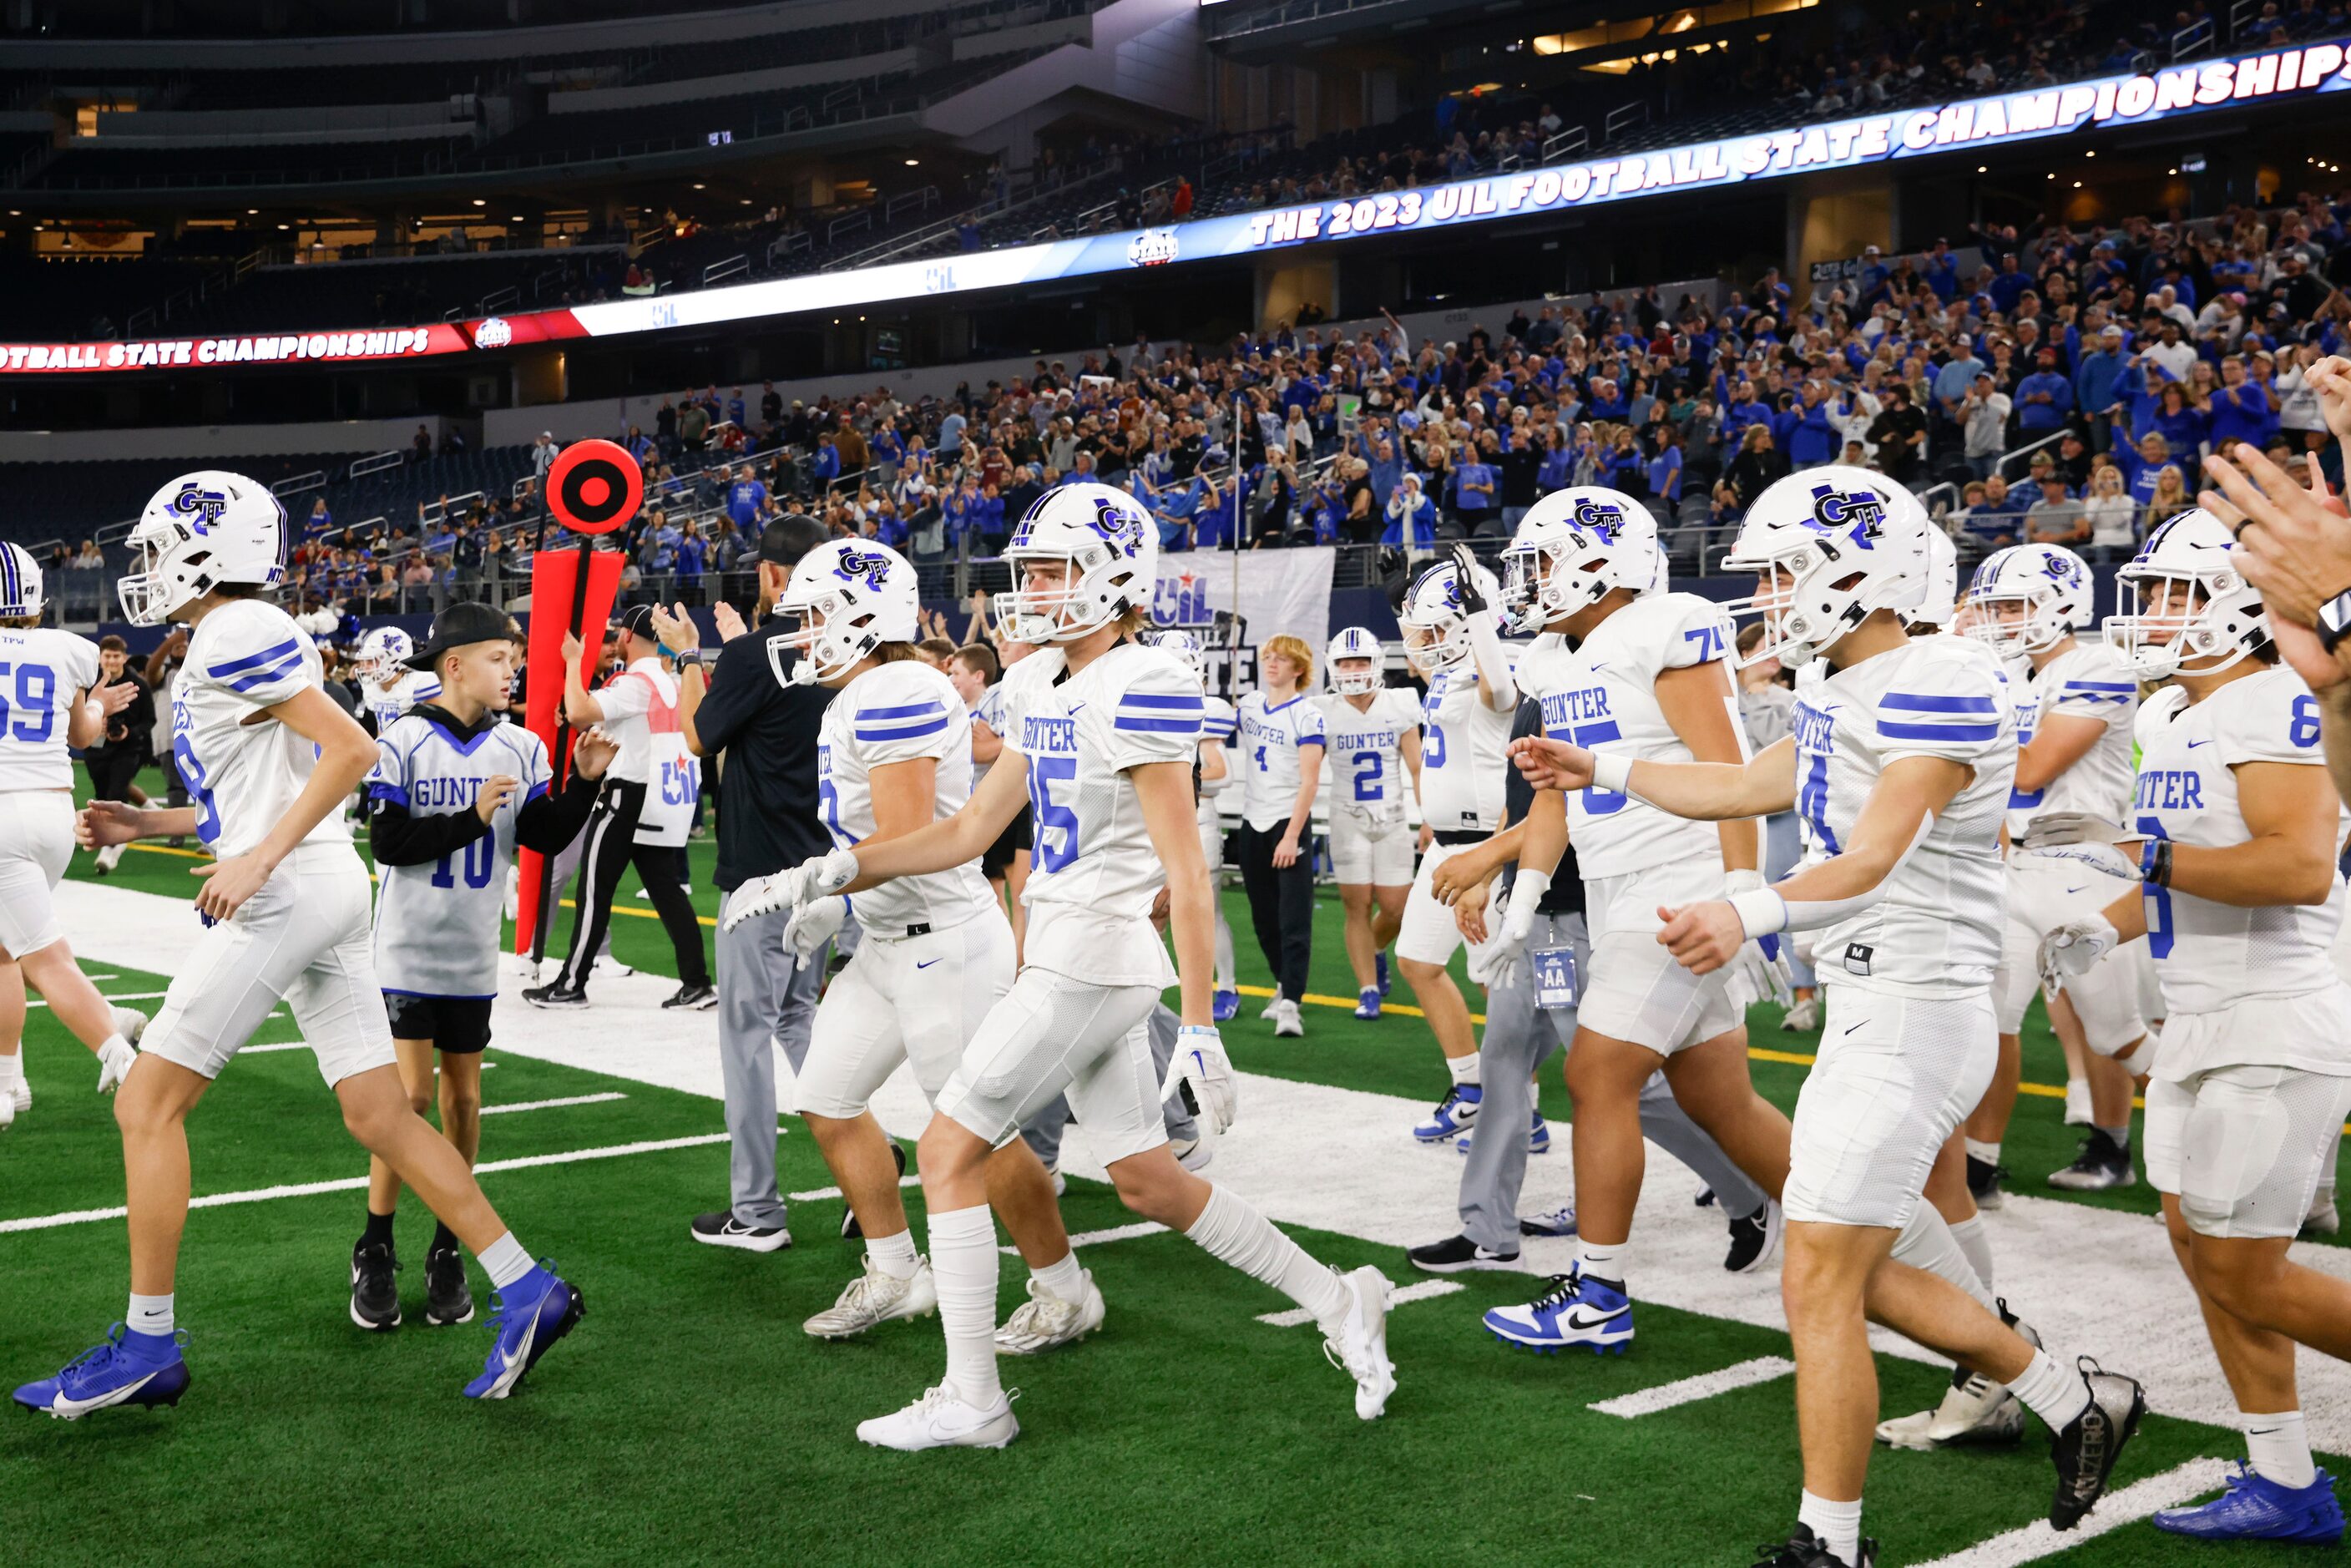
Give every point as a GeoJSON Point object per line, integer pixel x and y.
{"type": "Point", "coordinates": [1579, 1322]}
{"type": "Point", "coordinates": [1076, 708]}
{"type": "Point", "coordinates": [1857, 1026]}
{"type": "Point", "coordinates": [2194, 744]}
{"type": "Point", "coordinates": [927, 963]}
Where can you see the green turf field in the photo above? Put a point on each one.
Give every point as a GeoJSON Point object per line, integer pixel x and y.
{"type": "Point", "coordinates": [690, 1421]}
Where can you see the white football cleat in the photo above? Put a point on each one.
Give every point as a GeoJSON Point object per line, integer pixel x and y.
{"type": "Point", "coordinates": [940, 1419]}
{"type": "Point", "coordinates": [1359, 1345]}
{"type": "Point", "coordinates": [1271, 1010]}
{"type": "Point", "coordinates": [7, 1108]}
{"type": "Point", "coordinates": [1974, 1410]}
{"type": "Point", "coordinates": [2322, 1220]}
{"type": "Point", "coordinates": [109, 857]}
{"type": "Point", "coordinates": [1287, 1024]}
{"type": "Point", "coordinates": [875, 1298]}
{"type": "Point", "coordinates": [1045, 1322]}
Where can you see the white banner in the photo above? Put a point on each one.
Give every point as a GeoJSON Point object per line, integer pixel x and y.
{"type": "Point", "coordinates": [1272, 591]}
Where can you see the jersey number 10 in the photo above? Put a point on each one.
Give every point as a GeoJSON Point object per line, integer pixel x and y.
{"type": "Point", "coordinates": [481, 859]}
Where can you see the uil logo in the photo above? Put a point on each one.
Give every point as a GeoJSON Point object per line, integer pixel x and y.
{"type": "Point", "coordinates": [854, 566]}
{"type": "Point", "coordinates": [201, 507]}
{"type": "Point", "coordinates": [1862, 512]}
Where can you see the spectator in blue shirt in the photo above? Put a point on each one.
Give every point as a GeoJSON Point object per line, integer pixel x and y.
{"type": "Point", "coordinates": [1743, 409]}
{"type": "Point", "coordinates": [988, 516]}
{"type": "Point", "coordinates": [1666, 468]}
{"type": "Point", "coordinates": [1474, 482]}
{"type": "Point", "coordinates": [2183, 427]}
{"type": "Point", "coordinates": [1812, 439]}
{"type": "Point", "coordinates": [746, 498]}
{"type": "Point", "coordinates": [1997, 520]}
{"type": "Point", "coordinates": [2044, 400]}
{"type": "Point", "coordinates": [2095, 385]}
{"type": "Point", "coordinates": [319, 520]}
{"type": "Point", "coordinates": [1412, 516]}
{"type": "Point", "coordinates": [951, 429]}
{"type": "Point", "coordinates": [2240, 410]}
{"type": "Point", "coordinates": [826, 465]}
{"type": "Point", "coordinates": [1212, 514]}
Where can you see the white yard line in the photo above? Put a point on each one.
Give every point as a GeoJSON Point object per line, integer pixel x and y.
{"type": "Point", "coordinates": [2117, 1509]}
{"type": "Point", "coordinates": [607, 1096]}
{"type": "Point", "coordinates": [353, 1184]}
{"type": "Point", "coordinates": [111, 996]}
{"type": "Point", "coordinates": [1299, 1317]}
{"type": "Point", "coordinates": [1689, 1390]}
{"type": "Point", "coordinates": [820, 1193]}
{"type": "Point", "coordinates": [1096, 1237]}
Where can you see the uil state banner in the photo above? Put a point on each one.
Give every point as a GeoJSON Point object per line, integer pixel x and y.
{"type": "Point", "coordinates": [559, 602]}
{"type": "Point", "coordinates": [1272, 591]}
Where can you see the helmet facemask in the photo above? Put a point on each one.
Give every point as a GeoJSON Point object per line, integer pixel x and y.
{"type": "Point", "coordinates": [2184, 620]}
{"type": "Point", "coordinates": [830, 634]}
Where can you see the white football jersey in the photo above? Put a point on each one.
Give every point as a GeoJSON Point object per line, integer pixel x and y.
{"type": "Point", "coordinates": [1093, 872]}
{"type": "Point", "coordinates": [1603, 696]}
{"type": "Point", "coordinates": [988, 710]}
{"type": "Point", "coordinates": [1462, 746]}
{"type": "Point", "coordinates": [895, 713]}
{"type": "Point", "coordinates": [436, 926]}
{"type": "Point", "coordinates": [244, 656]}
{"type": "Point", "coordinates": [384, 705]}
{"type": "Point", "coordinates": [1936, 931]}
{"type": "Point", "coordinates": [1269, 739]}
{"type": "Point", "coordinates": [2089, 681]}
{"type": "Point", "coordinates": [1219, 723]}
{"type": "Point", "coordinates": [2016, 672]}
{"type": "Point", "coordinates": [42, 671]}
{"type": "Point", "coordinates": [2207, 955]}
{"type": "Point", "coordinates": [640, 715]}
{"type": "Point", "coordinates": [1365, 752]}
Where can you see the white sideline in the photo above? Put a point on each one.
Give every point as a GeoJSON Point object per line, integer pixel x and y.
{"type": "Point", "coordinates": [607, 1095]}
{"type": "Point", "coordinates": [1299, 1317]}
{"type": "Point", "coordinates": [1689, 1390]}
{"type": "Point", "coordinates": [1096, 1237]}
{"type": "Point", "coordinates": [2115, 1510]}
{"type": "Point", "coordinates": [818, 1195]}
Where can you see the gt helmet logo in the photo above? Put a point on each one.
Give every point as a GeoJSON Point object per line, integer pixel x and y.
{"type": "Point", "coordinates": [852, 566]}
{"type": "Point", "coordinates": [1834, 510]}
{"type": "Point", "coordinates": [1603, 518]}
{"type": "Point", "coordinates": [201, 507]}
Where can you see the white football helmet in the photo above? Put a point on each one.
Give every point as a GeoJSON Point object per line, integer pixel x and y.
{"type": "Point", "coordinates": [2049, 581]}
{"type": "Point", "coordinates": [2209, 613]}
{"type": "Point", "coordinates": [1838, 543]}
{"type": "Point", "coordinates": [1941, 605]}
{"type": "Point", "coordinates": [20, 582]}
{"type": "Point", "coordinates": [383, 653]}
{"type": "Point", "coordinates": [1572, 546]}
{"type": "Point", "coordinates": [848, 597]}
{"type": "Point", "coordinates": [1184, 646]}
{"type": "Point", "coordinates": [1435, 621]}
{"type": "Point", "coordinates": [202, 531]}
{"type": "Point", "coordinates": [1353, 642]}
{"type": "Point", "coordinates": [1108, 548]}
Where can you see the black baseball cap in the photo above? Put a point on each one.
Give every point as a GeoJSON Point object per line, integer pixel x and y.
{"type": "Point", "coordinates": [456, 627]}
{"type": "Point", "coordinates": [637, 620]}
{"type": "Point", "coordinates": [789, 538]}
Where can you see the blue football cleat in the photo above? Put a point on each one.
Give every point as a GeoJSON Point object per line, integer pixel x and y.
{"type": "Point", "coordinates": [1575, 1312]}
{"type": "Point", "coordinates": [127, 1369]}
{"type": "Point", "coordinates": [1367, 1003]}
{"type": "Point", "coordinates": [1227, 1007]}
{"type": "Point", "coordinates": [1453, 1114]}
{"type": "Point", "coordinates": [527, 1317]}
{"type": "Point", "coordinates": [2255, 1508]}
{"type": "Point", "coordinates": [1380, 962]}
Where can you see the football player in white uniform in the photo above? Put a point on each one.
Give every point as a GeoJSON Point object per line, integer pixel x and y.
{"type": "Point", "coordinates": [1219, 725]}
{"type": "Point", "coordinates": [935, 954]}
{"type": "Point", "coordinates": [2029, 600]}
{"type": "Point", "coordinates": [455, 793]}
{"type": "Point", "coordinates": [1373, 735]}
{"type": "Point", "coordinates": [1452, 634]}
{"type": "Point", "coordinates": [1901, 766]}
{"type": "Point", "coordinates": [1279, 737]}
{"type": "Point", "coordinates": [2235, 826]}
{"type": "Point", "coordinates": [47, 704]}
{"type": "Point", "coordinates": [1108, 730]}
{"type": "Point", "coordinates": [1624, 671]}
{"type": "Point", "coordinates": [389, 687]}
{"type": "Point", "coordinates": [269, 757]}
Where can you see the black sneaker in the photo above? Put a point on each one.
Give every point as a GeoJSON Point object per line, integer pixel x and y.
{"type": "Point", "coordinates": [691, 997]}
{"type": "Point", "coordinates": [850, 1230]}
{"type": "Point", "coordinates": [1456, 1255]}
{"type": "Point", "coordinates": [375, 1294]}
{"type": "Point", "coordinates": [1754, 1239]}
{"type": "Point", "coordinates": [723, 1229]}
{"type": "Point", "coordinates": [2086, 1451]}
{"type": "Point", "coordinates": [447, 1298]}
{"type": "Point", "coordinates": [2101, 1166]}
{"type": "Point", "coordinates": [555, 995]}
{"type": "Point", "coordinates": [1984, 1177]}
{"type": "Point", "coordinates": [1801, 1550]}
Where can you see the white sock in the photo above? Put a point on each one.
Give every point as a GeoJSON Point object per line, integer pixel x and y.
{"type": "Point", "coordinates": [1465, 1068]}
{"type": "Point", "coordinates": [12, 1069]}
{"type": "Point", "coordinates": [1835, 1525]}
{"type": "Point", "coordinates": [1601, 1263]}
{"type": "Point", "coordinates": [2279, 1447]}
{"type": "Point", "coordinates": [1987, 1152]}
{"type": "Point", "coordinates": [1231, 1231]}
{"type": "Point", "coordinates": [504, 1261]}
{"type": "Point", "coordinates": [2056, 1394]}
{"type": "Point", "coordinates": [153, 1314]}
{"type": "Point", "coordinates": [1065, 1280]}
{"type": "Point", "coordinates": [962, 1261]}
{"type": "Point", "coordinates": [1927, 1242]}
{"type": "Point", "coordinates": [894, 1255]}
{"type": "Point", "coordinates": [1976, 1242]}
{"type": "Point", "coordinates": [1224, 970]}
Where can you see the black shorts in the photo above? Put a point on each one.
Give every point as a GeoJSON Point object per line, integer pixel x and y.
{"type": "Point", "coordinates": [458, 1024]}
{"type": "Point", "coordinates": [998, 857]}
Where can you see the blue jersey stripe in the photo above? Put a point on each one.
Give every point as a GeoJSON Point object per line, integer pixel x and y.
{"type": "Point", "coordinates": [1157, 725]}
{"type": "Point", "coordinates": [534, 792]}
{"type": "Point", "coordinates": [1149, 699]}
{"type": "Point", "coordinates": [2100, 686]}
{"type": "Point", "coordinates": [392, 792]}
{"type": "Point", "coordinates": [264, 677]}
{"type": "Point", "coordinates": [266, 656]}
{"type": "Point", "coordinates": [909, 710]}
{"type": "Point", "coordinates": [1891, 730]}
{"type": "Point", "coordinates": [1916, 702]}
{"type": "Point", "coordinates": [904, 732]}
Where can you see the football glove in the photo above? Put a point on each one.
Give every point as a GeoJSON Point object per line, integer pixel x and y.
{"type": "Point", "coordinates": [1502, 962]}
{"type": "Point", "coordinates": [814, 924]}
{"type": "Point", "coordinates": [2057, 829]}
{"type": "Point", "coordinates": [1465, 575]}
{"type": "Point", "coordinates": [1203, 1075]}
{"type": "Point", "coordinates": [2073, 948]}
{"type": "Point", "coordinates": [818, 877]}
{"type": "Point", "coordinates": [114, 1059]}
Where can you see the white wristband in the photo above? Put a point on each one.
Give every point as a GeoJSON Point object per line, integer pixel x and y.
{"type": "Point", "coordinates": [1612, 771]}
{"type": "Point", "coordinates": [1761, 911]}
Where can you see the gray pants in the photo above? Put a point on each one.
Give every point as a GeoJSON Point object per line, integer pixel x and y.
{"type": "Point", "coordinates": [767, 998]}
{"type": "Point", "coordinates": [1044, 1132]}
{"type": "Point", "coordinates": [1520, 1038]}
